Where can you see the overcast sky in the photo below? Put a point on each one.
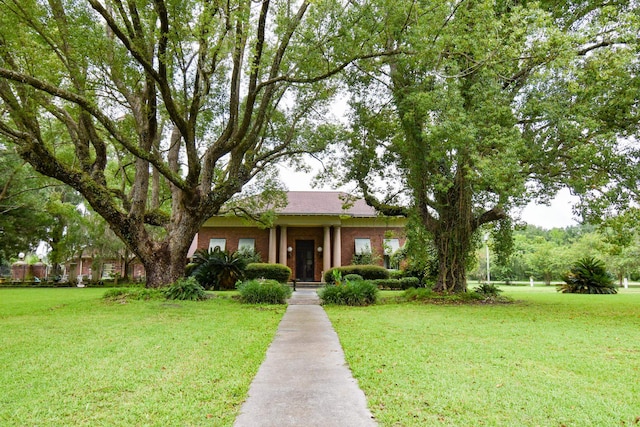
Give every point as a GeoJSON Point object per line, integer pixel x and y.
{"type": "Point", "coordinates": [558, 214]}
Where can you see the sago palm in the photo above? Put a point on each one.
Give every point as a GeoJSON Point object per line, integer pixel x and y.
{"type": "Point", "coordinates": [217, 269]}
{"type": "Point", "coordinates": [588, 276]}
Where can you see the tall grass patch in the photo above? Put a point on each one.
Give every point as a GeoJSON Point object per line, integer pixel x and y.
{"type": "Point", "coordinates": [71, 358]}
{"type": "Point", "coordinates": [548, 360]}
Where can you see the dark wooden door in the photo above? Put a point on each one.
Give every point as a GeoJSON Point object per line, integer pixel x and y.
{"type": "Point", "coordinates": [305, 266]}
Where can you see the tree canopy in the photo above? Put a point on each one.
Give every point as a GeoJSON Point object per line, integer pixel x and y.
{"type": "Point", "coordinates": [489, 105]}
{"type": "Point", "coordinates": [23, 193]}
{"type": "Point", "coordinates": [159, 111]}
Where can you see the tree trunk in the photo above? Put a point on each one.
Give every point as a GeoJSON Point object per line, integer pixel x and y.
{"type": "Point", "coordinates": [162, 266]}
{"type": "Point", "coordinates": [453, 242]}
{"type": "Point", "coordinates": [165, 262]}
{"type": "Point", "coordinates": [161, 269]}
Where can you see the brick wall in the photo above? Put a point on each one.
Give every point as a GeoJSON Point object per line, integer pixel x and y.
{"type": "Point", "coordinates": [375, 234]}
{"type": "Point", "coordinates": [233, 236]}
{"type": "Point", "coordinates": [315, 234]}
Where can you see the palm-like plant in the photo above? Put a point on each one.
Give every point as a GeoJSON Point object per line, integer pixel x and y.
{"type": "Point", "coordinates": [217, 269]}
{"type": "Point", "coordinates": [588, 276]}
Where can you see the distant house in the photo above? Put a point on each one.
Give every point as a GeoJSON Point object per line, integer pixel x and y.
{"type": "Point", "coordinates": [313, 233]}
{"type": "Point", "coordinates": [86, 264]}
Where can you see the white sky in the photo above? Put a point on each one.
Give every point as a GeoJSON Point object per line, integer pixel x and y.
{"type": "Point", "coordinates": [557, 214]}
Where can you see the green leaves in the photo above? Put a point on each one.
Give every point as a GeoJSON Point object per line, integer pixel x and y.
{"type": "Point", "coordinates": [488, 104]}
{"type": "Point", "coordinates": [217, 269]}
{"type": "Point", "coordinates": [588, 276]}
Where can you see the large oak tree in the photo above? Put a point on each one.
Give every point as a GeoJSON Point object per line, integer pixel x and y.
{"type": "Point", "coordinates": [490, 105]}
{"type": "Point", "coordinates": [159, 111]}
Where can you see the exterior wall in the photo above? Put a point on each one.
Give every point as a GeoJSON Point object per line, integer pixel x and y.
{"type": "Point", "coordinates": [377, 236]}
{"type": "Point", "coordinates": [376, 231]}
{"type": "Point", "coordinates": [233, 235]}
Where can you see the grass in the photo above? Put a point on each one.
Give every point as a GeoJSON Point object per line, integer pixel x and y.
{"type": "Point", "coordinates": [70, 358]}
{"type": "Point", "coordinates": [549, 360]}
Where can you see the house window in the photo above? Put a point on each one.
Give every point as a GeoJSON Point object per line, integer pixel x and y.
{"type": "Point", "coordinates": [218, 243]}
{"type": "Point", "coordinates": [107, 271]}
{"type": "Point", "coordinates": [390, 247]}
{"type": "Point", "coordinates": [247, 245]}
{"type": "Point", "coordinates": [363, 246]}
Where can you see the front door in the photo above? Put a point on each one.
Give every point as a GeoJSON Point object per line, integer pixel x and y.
{"type": "Point", "coordinates": [305, 266]}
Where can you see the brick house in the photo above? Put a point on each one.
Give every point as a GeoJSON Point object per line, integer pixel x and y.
{"type": "Point", "coordinates": [313, 233]}
{"type": "Point", "coordinates": [84, 264]}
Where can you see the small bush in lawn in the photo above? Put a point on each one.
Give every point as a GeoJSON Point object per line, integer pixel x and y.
{"type": "Point", "coordinates": [588, 276]}
{"type": "Point", "coordinates": [133, 294]}
{"type": "Point", "coordinates": [267, 291]}
{"type": "Point", "coordinates": [352, 277]}
{"type": "Point", "coordinates": [427, 295]}
{"type": "Point", "coordinates": [187, 289]}
{"type": "Point", "coordinates": [261, 270]}
{"type": "Point", "coordinates": [419, 294]}
{"type": "Point", "coordinates": [357, 293]}
{"type": "Point", "coordinates": [488, 289]}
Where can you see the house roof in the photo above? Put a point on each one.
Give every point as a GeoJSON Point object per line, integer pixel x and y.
{"type": "Point", "coordinates": [325, 203]}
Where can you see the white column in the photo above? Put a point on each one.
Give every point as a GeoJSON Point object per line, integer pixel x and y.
{"type": "Point", "coordinates": [337, 246]}
{"type": "Point", "coordinates": [272, 245]}
{"type": "Point", "coordinates": [283, 245]}
{"type": "Point", "coordinates": [326, 249]}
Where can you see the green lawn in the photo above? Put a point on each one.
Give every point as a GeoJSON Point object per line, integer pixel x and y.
{"type": "Point", "coordinates": [549, 360]}
{"type": "Point", "coordinates": [67, 358]}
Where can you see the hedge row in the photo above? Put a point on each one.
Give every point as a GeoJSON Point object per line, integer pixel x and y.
{"type": "Point", "coordinates": [367, 272]}
{"type": "Point", "coordinates": [46, 284]}
{"type": "Point", "coordinates": [261, 270]}
{"type": "Point", "coordinates": [357, 293]}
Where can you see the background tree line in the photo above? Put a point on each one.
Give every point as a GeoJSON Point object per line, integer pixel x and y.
{"type": "Point", "coordinates": [547, 254]}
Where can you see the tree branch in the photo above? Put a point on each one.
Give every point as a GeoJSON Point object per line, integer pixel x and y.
{"type": "Point", "coordinates": [102, 118]}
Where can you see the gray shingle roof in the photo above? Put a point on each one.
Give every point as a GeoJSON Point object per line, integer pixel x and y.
{"type": "Point", "coordinates": [324, 203]}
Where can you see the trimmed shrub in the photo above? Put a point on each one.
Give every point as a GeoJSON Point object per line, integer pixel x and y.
{"type": "Point", "coordinates": [588, 276]}
{"type": "Point", "coordinates": [409, 282]}
{"type": "Point", "coordinates": [387, 283]}
{"type": "Point", "coordinates": [358, 293]}
{"type": "Point", "coordinates": [367, 272]}
{"type": "Point", "coordinates": [397, 274]}
{"type": "Point", "coordinates": [267, 291]}
{"type": "Point", "coordinates": [352, 277]}
{"type": "Point", "coordinates": [260, 270]}
{"type": "Point", "coordinates": [187, 289]}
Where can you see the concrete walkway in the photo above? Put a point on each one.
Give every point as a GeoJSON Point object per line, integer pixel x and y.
{"type": "Point", "coordinates": [304, 380]}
